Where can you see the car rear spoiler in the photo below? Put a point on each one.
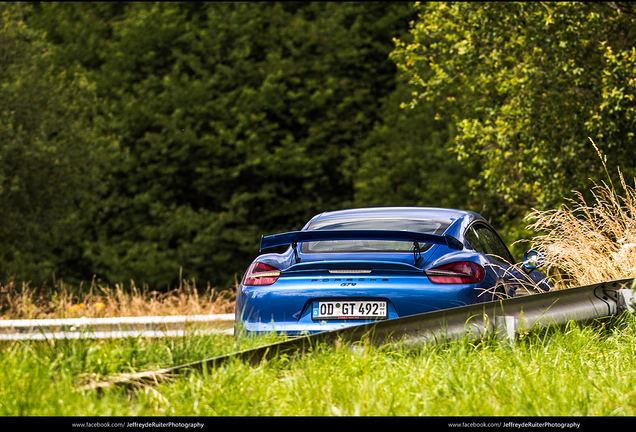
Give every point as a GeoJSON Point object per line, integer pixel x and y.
{"type": "Point", "coordinates": [296, 237]}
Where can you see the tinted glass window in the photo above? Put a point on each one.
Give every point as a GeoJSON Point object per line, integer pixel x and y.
{"type": "Point", "coordinates": [486, 241]}
{"type": "Point", "coordinates": [429, 226]}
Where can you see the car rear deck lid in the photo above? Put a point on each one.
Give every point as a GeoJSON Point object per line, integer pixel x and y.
{"type": "Point", "coordinates": [352, 267]}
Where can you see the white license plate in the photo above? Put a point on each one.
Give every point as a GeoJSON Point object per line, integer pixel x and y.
{"type": "Point", "coordinates": [356, 309]}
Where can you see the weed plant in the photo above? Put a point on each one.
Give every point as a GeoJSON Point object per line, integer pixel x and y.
{"type": "Point", "coordinates": [21, 301]}
{"type": "Point", "coordinates": [589, 243]}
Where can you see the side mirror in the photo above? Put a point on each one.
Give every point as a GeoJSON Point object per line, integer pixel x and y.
{"type": "Point", "coordinates": [532, 259]}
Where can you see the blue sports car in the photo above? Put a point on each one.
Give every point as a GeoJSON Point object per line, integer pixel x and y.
{"type": "Point", "coordinates": [356, 266]}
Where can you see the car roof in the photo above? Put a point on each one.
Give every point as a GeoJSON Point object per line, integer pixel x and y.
{"type": "Point", "coordinates": [415, 212]}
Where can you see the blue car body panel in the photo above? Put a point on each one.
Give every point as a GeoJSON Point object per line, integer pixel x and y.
{"type": "Point", "coordinates": [397, 277]}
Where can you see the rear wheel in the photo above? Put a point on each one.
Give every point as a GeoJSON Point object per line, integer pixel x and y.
{"type": "Point", "coordinates": [525, 290]}
{"type": "Point", "coordinates": [500, 291]}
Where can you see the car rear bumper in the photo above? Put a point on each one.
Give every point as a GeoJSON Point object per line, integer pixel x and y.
{"type": "Point", "coordinates": [286, 305]}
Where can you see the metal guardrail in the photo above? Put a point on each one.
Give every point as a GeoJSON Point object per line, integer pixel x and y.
{"type": "Point", "coordinates": [102, 328]}
{"type": "Point", "coordinates": [504, 319]}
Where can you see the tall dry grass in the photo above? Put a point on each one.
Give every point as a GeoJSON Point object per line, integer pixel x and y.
{"type": "Point", "coordinates": [589, 243]}
{"type": "Point", "coordinates": [21, 301]}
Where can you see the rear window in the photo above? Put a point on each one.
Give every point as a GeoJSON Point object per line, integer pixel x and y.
{"type": "Point", "coordinates": [429, 226]}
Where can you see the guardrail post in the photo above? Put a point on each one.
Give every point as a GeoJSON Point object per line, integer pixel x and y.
{"type": "Point", "coordinates": [506, 328]}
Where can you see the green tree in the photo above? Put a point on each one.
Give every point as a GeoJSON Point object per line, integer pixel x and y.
{"type": "Point", "coordinates": [408, 160]}
{"type": "Point", "coordinates": [526, 84]}
{"type": "Point", "coordinates": [236, 120]}
{"type": "Point", "coordinates": [51, 158]}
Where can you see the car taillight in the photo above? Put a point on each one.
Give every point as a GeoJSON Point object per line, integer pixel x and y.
{"type": "Point", "coordinates": [261, 274]}
{"type": "Point", "coordinates": [461, 272]}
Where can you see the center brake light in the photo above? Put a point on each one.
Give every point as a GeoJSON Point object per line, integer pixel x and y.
{"type": "Point", "coordinates": [261, 274]}
{"type": "Point", "coordinates": [461, 272]}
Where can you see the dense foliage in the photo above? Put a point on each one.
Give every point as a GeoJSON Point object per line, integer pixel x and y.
{"type": "Point", "coordinates": [144, 140]}
{"type": "Point", "coordinates": [232, 120]}
{"type": "Point", "coordinates": [527, 85]}
{"type": "Point", "coordinates": [52, 152]}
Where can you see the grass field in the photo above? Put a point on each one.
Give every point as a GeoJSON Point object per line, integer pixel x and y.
{"type": "Point", "coordinates": [574, 372]}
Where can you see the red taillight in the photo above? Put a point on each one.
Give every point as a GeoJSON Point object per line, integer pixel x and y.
{"type": "Point", "coordinates": [261, 274]}
{"type": "Point", "coordinates": [462, 272]}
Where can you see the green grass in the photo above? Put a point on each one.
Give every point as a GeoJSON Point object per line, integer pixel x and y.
{"type": "Point", "coordinates": [574, 372]}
